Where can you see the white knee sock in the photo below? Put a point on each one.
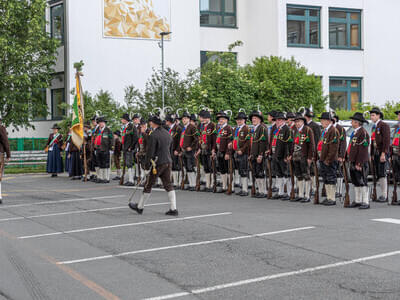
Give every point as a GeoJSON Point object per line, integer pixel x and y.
{"type": "Point", "coordinates": [143, 199]}
{"type": "Point", "coordinates": [97, 169]}
{"type": "Point", "coordinates": [245, 184]}
{"type": "Point", "coordinates": [172, 199]}
{"type": "Point", "coordinates": [224, 178]}
{"type": "Point", "coordinates": [208, 180]}
{"type": "Point", "coordinates": [307, 189]}
{"type": "Point", "coordinates": [300, 184]}
{"type": "Point", "coordinates": [281, 185]}
{"type": "Point", "coordinates": [237, 177]}
{"type": "Point", "coordinates": [383, 185]}
{"type": "Point", "coordinates": [130, 175]}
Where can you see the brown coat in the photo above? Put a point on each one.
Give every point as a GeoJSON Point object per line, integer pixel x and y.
{"type": "Point", "coordinates": [303, 144]}
{"type": "Point", "coordinates": [359, 147]}
{"type": "Point", "coordinates": [259, 141]}
{"type": "Point", "coordinates": [330, 146]}
{"type": "Point", "coordinates": [4, 145]}
{"type": "Point", "coordinates": [342, 141]}
{"type": "Point", "coordinates": [243, 139]}
{"type": "Point", "coordinates": [190, 138]}
{"type": "Point", "coordinates": [210, 136]}
{"type": "Point", "coordinates": [176, 136]}
{"type": "Point", "coordinates": [58, 141]}
{"type": "Point", "coordinates": [382, 139]}
{"type": "Point", "coordinates": [224, 137]}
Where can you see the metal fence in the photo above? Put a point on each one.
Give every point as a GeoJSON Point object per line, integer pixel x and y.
{"type": "Point", "coordinates": [27, 144]}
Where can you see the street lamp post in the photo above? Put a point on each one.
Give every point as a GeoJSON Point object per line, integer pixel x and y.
{"type": "Point", "coordinates": [163, 34]}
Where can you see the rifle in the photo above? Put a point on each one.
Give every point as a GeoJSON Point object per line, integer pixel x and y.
{"type": "Point", "coordinates": [269, 178]}
{"type": "Point", "coordinates": [292, 192]}
{"type": "Point", "coordinates": [373, 196]}
{"type": "Point", "coordinates": [316, 174]}
{"type": "Point", "coordinates": [121, 181]}
{"type": "Point", "coordinates": [198, 175]}
{"type": "Point", "coordinates": [182, 173]}
{"type": "Point", "coordinates": [214, 167]}
{"type": "Point", "coordinates": [394, 197]}
{"type": "Point", "coordinates": [346, 182]}
{"type": "Point", "coordinates": [229, 192]}
{"type": "Point", "coordinates": [253, 177]}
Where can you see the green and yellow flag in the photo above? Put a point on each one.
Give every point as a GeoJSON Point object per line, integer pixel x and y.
{"type": "Point", "coordinates": [77, 115]}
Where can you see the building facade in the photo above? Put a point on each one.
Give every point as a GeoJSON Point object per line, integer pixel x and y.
{"type": "Point", "coordinates": [350, 45]}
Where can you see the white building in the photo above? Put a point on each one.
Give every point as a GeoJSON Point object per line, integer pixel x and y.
{"type": "Point", "coordinates": [350, 44]}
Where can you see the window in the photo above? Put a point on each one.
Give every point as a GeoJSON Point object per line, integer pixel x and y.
{"type": "Point", "coordinates": [303, 26]}
{"type": "Point", "coordinates": [57, 98]}
{"type": "Point", "coordinates": [41, 96]}
{"type": "Point", "coordinates": [211, 56]}
{"type": "Point", "coordinates": [218, 13]}
{"type": "Point", "coordinates": [344, 29]}
{"type": "Point", "coordinates": [57, 22]}
{"type": "Point", "coordinates": [344, 93]}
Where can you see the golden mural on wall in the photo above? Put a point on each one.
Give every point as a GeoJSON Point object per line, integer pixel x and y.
{"type": "Point", "coordinates": [143, 19]}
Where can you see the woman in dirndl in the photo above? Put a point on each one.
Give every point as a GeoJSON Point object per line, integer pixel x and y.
{"type": "Point", "coordinates": [53, 146]}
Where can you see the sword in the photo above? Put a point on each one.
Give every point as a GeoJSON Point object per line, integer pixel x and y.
{"type": "Point", "coordinates": [153, 170]}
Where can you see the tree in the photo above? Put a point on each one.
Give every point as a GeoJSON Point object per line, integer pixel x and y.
{"type": "Point", "coordinates": [283, 84]}
{"type": "Point", "coordinates": [27, 57]}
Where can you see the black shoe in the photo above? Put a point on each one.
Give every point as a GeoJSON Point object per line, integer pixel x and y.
{"type": "Point", "coordinates": [354, 205]}
{"type": "Point", "coordinates": [244, 194]}
{"type": "Point", "coordinates": [276, 197]}
{"type": "Point", "coordinates": [135, 208]}
{"type": "Point", "coordinates": [237, 185]}
{"type": "Point", "coordinates": [329, 203]}
{"type": "Point", "coordinates": [239, 193]}
{"type": "Point", "coordinates": [128, 184]}
{"type": "Point", "coordinates": [260, 195]}
{"type": "Point", "coordinates": [395, 203]}
{"type": "Point", "coordinates": [106, 181]}
{"type": "Point", "coordinates": [172, 213]}
{"type": "Point", "coordinates": [338, 195]}
{"type": "Point", "coordinates": [94, 179]}
{"type": "Point", "coordinates": [364, 206]}
{"type": "Point", "coordinates": [285, 197]}
{"type": "Point", "coordinates": [99, 180]}
{"type": "Point", "coordinates": [297, 199]}
{"type": "Point", "coordinates": [191, 189]}
{"type": "Point", "coordinates": [275, 189]}
{"type": "Point", "coordinates": [221, 191]}
{"type": "Point", "coordinates": [305, 200]}
{"type": "Point", "coordinates": [381, 199]}
{"type": "Point", "coordinates": [323, 201]}
{"type": "Point", "coordinates": [117, 178]}
{"type": "Point", "coordinates": [54, 175]}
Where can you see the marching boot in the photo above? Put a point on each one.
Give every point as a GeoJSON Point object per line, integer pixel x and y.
{"type": "Point", "coordinates": [245, 187]}
{"type": "Point", "coordinates": [300, 184]}
{"type": "Point", "coordinates": [172, 200]}
{"type": "Point", "coordinates": [364, 198]}
{"type": "Point", "coordinates": [383, 186]}
{"type": "Point", "coordinates": [130, 178]}
{"type": "Point", "coordinates": [138, 207]}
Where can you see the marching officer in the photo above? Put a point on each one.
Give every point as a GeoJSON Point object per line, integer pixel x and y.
{"type": "Point", "coordinates": [258, 148]}
{"type": "Point", "coordinates": [4, 151]}
{"type": "Point", "coordinates": [53, 146]}
{"type": "Point", "coordinates": [291, 124]}
{"type": "Point", "coordinates": [206, 145]}
{"type": "Point", "coordinates": [144, 134]}
{"type": "Point", "coordinates": [358, 157]}
{"type": "Point", "coordinates": [158, 162]}
{"type": "Point", "coordinates": [103, 144]}
{"type": "Point", "coordinates": [221, 150]}
{"type": "Point", "coordinates": [309, 115]}
{"type": "Point", "coordinates": [117, 153]}
{"type": "Point", "coordinates": [280, 151]}
{"type": "Point", "coordinates": [129, 141]}
{"type": "Point", "coordinates": [302, 155]}
{"type": "Point", "coordinates": [328, 157]}
{"type": "Point", "coordinates": [175, 131]}
{"type": "Point", "coordinates": [380, 147]}
{"type": "Point", "coordinates": [395, 151]}
{"type": "Point", "coordinates": [188, 146]}
{"type": "Point", "coordinates": [271, 128]}
{"type": "Point", "coordinates": [341, 154]}
{"type": "Point", "coordinates": [94, 166]}
{"type": "Point", "coordinates": [240, 147]}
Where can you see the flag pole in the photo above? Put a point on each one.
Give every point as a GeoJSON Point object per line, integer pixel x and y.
{"type": "Point", "coordinates": [78, 74]}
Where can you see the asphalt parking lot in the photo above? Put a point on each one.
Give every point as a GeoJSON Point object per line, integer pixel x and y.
{"type": "Point", "coordinates": [62, 239]}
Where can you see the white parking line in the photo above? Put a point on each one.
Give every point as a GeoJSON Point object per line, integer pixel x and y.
{"type": "Point", "coordinates": [141, 188]}
{"type": "Point", "coordinates": [388, 220]}
{"type": "Point", "coordinates": [61, 201]}
{"type": "Point", "coordinates": [123, 225]}
{"type": "Point", "coordinates": [247, 236]}
{"type": "Point", "coordinates": [75, 212]}
{"type": "Point", "coordinates": [275, 276]}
